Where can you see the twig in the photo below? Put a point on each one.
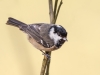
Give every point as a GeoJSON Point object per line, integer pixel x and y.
{"type": "Point", "coordinates": [43, 68]}
{"type": "Point", "coordinates": [58, 10]}
{"type": "Point", "coordinates": [51, 11]}
{"type": "Point", "coordinates": [55, 7]}
{"type": "Point", "coordinates": [51, 14]}
{"type": "Point", "coordinates": [48, 66]}
{"type": "Point", "coordinates": [53, 17]}
{"type": "Point", "coordinates": [56, 15]}
{"type": "Point", "coordinates": [45, 60]}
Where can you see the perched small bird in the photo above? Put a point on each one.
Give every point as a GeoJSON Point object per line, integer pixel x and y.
{"type": "Point", "coordinates": [43, 36]}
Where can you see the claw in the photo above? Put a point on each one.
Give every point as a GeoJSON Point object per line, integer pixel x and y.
{"type": "Point", "coordinates": [47, 55]}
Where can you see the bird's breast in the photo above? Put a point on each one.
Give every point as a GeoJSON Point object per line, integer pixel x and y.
{"type": "Point", "coordinates": [39, 46]}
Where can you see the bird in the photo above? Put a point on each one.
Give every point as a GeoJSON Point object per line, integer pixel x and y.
{"type": "Point", "coordinates": [43, 36]}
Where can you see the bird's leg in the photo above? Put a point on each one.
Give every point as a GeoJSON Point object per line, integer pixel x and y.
{"type": "Point", "coordinates": [47, 55]}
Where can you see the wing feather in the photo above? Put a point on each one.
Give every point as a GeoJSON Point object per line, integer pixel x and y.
{"type": "Point", "coordinates": [33, 31]}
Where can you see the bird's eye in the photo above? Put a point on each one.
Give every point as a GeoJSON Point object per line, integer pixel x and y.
{"type": "Point", "coordinates": [59, 34]}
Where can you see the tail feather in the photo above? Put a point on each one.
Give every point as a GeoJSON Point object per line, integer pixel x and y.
{"type": "Point", "coordinates": [14, 22]}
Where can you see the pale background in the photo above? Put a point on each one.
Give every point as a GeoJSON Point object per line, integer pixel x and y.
{"type": "Point", "coordinates": [79, 56]}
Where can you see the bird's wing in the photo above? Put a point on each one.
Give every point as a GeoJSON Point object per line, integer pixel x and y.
{"type": "Point", "coordinates": [34, 31]}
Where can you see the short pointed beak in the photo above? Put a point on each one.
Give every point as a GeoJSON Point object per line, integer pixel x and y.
{"type": "Point", "coordinates": [65, 39]}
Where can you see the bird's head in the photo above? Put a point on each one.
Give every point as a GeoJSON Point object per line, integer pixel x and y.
{"type": "Point", "coordinates": [58, 34]}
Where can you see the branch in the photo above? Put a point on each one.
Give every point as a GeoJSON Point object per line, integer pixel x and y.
{"type": "Point", "coordinates": [43, 66]}
{"type": "Point", "coordinates": [45, 60]}
{"type": "Point", "coordinates": [51, 14]}
{"type": "Point", "coordinates": [55, 7]}
{"type": "Point", "coordinates": [53, 17]}
{"type": "Point", "coordinates": [51, 11]}
{"type": "Point", "coordinates": [48, 66]}
{"type": "Point", "coordinates": [58, 10]}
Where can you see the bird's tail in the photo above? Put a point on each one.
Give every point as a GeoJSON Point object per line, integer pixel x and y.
{"type": "Point", "coordinates": [14, 22]}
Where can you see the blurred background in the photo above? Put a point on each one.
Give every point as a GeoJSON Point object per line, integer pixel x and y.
{"type": "Point", "coordinates": [79, 56]}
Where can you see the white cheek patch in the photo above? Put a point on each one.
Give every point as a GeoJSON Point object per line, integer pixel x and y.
{"type": "Point", "coordinates": [54, 36]}
{"type": "Point", "coordinates": [51, 34]}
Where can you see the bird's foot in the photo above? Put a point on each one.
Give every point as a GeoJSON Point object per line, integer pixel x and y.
{"type": "Point", "coordinates": [47, 55]}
